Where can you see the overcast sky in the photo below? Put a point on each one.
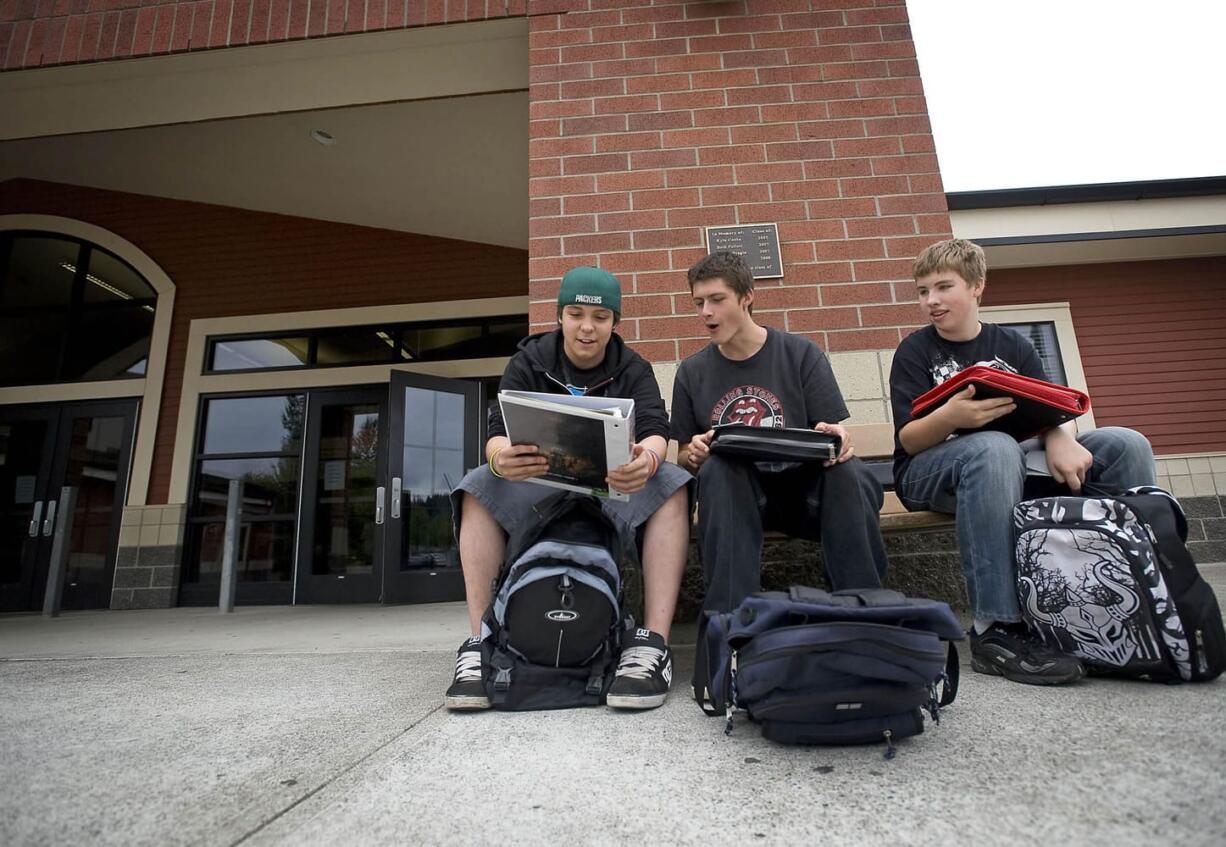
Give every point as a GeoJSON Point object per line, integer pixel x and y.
{"type": "Point", "coordinates": [1038, 92]}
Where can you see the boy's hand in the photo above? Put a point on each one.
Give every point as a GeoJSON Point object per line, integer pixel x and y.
{"type": "Point", "coordinates": [962, 411]}
{"type": "Point", "coordinates": [633, 475]}
{"type": "Point", "coordinates": [844, 436]}
{"type": "Point", "coordinates": [699, 450]}
{"type": "Point", "coordinates": [520, 461]}
{"type": "Point", "coordinates": [1067, 460]}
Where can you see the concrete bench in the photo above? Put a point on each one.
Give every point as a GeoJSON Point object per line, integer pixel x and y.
{"type": "Point", "coordinates": [875, 446]}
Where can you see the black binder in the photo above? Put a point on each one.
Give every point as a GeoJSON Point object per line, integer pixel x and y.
{"type": "Point", "coordinates": [764, 444]}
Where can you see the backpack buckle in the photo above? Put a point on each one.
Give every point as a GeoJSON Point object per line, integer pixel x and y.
{"type": "Point", "coordinates": [502, 679]}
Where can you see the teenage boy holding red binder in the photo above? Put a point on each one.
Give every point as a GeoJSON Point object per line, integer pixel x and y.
{"type": "Point", "coordinates": [978, 476]}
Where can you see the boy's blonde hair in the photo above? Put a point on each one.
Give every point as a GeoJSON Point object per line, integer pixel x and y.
{"type": "Point", "coordinates": [957, 254]}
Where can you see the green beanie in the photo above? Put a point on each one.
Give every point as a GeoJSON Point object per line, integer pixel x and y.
{"type": "Point", "coordinates": [591, 287]}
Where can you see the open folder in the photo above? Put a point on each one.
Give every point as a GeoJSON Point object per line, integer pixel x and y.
{"type": "Point", "coordinates": [1040, 404]}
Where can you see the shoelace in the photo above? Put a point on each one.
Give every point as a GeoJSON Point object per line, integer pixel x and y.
{"type": "Point", "coordinates": [639, 662]}
{"type": "Point", "coordinates": [468, 667]}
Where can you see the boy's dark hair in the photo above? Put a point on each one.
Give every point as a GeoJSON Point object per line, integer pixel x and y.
{"type": "Point", "coordinates": [724, 265]}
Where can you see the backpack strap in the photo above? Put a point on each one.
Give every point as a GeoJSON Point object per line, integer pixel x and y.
{"type": "Point", "coordinates": [949, 688]}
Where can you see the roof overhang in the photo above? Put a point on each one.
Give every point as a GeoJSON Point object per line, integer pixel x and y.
{"type": "Point", "coordinates": [430, 125]}
{"type": "Point", "coordinates": [1119, 230]}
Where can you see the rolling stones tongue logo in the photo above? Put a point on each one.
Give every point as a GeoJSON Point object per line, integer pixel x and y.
{"type": "Point", "coordinates": [750, 405]}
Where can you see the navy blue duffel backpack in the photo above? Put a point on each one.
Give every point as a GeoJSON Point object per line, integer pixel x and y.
{"type": "Point", "coordinates": [848, 667]}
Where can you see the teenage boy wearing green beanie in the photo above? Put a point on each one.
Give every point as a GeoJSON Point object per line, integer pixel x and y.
{"type": "Point", "coordinates": [582, 357]}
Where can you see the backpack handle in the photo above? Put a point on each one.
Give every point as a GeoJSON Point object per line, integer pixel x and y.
{"type": "Point", "coordinates": [808, 594]}
{"type": "Point", "coordinates": [872, 597]}
{"type": "Point", "coordinates": [846, 597]}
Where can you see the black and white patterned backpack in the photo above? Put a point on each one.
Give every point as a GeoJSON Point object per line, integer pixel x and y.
{"type": "Point", "coordinates": [1108, 579]}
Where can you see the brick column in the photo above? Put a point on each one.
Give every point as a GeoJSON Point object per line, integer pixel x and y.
{"type": "Point", "coordinates": [651, 120]}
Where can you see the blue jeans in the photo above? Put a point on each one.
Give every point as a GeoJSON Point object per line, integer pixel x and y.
{"type": "Point", "coordinates": [978, 477]}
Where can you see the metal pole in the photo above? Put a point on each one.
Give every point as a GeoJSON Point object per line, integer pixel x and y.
{"type": "Point", "coordinates": [229, 581]}
{"type": "Point", "coordinates": [60, 546]}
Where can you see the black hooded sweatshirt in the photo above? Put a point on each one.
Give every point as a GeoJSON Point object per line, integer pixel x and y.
{"type": "Point", "coordinates": [541, 365]}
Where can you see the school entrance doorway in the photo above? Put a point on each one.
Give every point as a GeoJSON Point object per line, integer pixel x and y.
{"type": "Point", "coordinates": [345, 492]}
{"type": "Point", "coordinates": [87, 445]}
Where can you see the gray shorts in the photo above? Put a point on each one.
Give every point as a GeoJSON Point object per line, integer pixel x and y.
{"type": "Point", "coordinates": [512, 502]}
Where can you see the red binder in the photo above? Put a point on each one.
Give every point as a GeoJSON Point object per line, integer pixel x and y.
{"type": "Point", "coordinates": [1040, 404]}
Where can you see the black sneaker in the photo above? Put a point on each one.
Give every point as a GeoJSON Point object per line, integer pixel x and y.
{"type": "Point", "coordinates": [1018, 655]}
{"type": "Point", "coordinates": [467, 692]}
{"type": "Point", "coordinates": [644, 672]}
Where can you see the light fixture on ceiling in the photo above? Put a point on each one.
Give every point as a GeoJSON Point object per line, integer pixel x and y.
{"type": "Point", "coordinates": [322, 136]}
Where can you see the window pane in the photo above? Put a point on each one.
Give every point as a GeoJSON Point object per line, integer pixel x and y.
{"type": "Point", "coordinates": [1043, 337]}
{"type": "Point", "coordinates": [354, 346]}
{"type": "Point", "coordinates": [108, 280]}
{"type": "Point", "coordinates": [241, 355]}
{"type": "Point", "coordinates": [446, 342]}
{"type": "Point", "coordinates": [270, 486]}
{"type": "Point", "coordinates": [39, 274]}
{"type": "Point", "coordinates": [345, 528]}
{"type": "Point", "coordinates": [93, 467]}
{"type": "Point", "coordinates": [30, 347]}
{"type": "Point", "coordinates": [265, 552]}
{"type": "Point", "coordinates": [107, 343]}
{"type": "Point", "coordinates": [254, 424]}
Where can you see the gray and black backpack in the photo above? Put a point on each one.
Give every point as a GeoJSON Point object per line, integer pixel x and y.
{"type": "Point", "coordinates": [552, 636]}
{"type": "Point", "coordinates": [1108, 579]}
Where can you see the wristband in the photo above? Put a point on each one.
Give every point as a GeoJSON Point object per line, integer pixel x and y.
{"type": "Point", "coordinates": [494, 456]}
{"type": "Point", "coordinates": [656, 460]}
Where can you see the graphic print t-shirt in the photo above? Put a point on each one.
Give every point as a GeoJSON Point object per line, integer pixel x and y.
{"type": "Point", "coordinates": [788, 383]}
{"type": "Point", "coordinates": [924, 360]}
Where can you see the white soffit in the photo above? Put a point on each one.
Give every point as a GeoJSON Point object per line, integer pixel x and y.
{"type": "Point", "coordinates": [1083, 233]}
{"type": "Point", "coordinates": [451, 168]}
{"type": "Point", "coordinates": [381, 67]}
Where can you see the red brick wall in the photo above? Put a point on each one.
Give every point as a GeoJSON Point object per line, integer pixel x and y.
{"type": "Point", "coordinates": [226, 261]}
{"type": "Point", "coordinates": [38, 33]}
{"type": "Point", "coordinates": [1152, 337]}
{"type": "Point", "coordinates": [652, 120]}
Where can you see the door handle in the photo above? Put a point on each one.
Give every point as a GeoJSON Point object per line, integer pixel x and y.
{"type": "Point", "coordinates": [49, 521]}
{"type": "Point", "coordinates": [380, 493]}
{"type": "Point", "coordinates": [395, 497]}
{"type": "Point", "coordinates": [35, 518]}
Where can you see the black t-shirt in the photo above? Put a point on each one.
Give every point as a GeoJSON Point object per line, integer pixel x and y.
{"type": "Point", "coordinates": [924, 360]}
{"type": "Point", "coordinates": [578, 380]}
{"type": "Point", "coordinates": [788, 383]}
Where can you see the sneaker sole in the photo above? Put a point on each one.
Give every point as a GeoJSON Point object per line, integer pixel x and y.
{"type": "Point", "coordinates": [467, 703]}
{"type": "Point", "coordinates": [614, 701]}
{"type": "Point", "coordinates": [989, 669]}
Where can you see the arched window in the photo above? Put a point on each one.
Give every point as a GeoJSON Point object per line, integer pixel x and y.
{"type": "Point", "coordinates": [70, 312]}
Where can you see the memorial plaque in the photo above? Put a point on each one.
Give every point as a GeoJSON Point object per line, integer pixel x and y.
{"type": "Point", "coordinates": [757, 243]}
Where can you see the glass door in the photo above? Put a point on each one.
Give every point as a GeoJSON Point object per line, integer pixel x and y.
{"type": "Point", "coordinates": [344, 499]}
{"type": "Point", "coordinates": [433, 442]}
{"type": "Point", "coordinates": [43, 448]}
{"type": "Point", "coordinates": [26, 444]}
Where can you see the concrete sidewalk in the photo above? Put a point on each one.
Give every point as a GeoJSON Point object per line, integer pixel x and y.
{"type": "Point", "coordinates": [321, 725]}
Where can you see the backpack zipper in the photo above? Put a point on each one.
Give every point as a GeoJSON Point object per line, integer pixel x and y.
{"type": "Point", "coordinates": [781, 652]}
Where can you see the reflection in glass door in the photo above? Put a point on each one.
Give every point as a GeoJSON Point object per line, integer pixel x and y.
{"type": "Point", "coordinates": [433, 443]}
{"type": "Point", "coordinates": [343, 498]}
{"type": "Point", "coordinates": [42, 448]}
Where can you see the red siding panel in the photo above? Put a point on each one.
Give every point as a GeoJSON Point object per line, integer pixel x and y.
{"type": "Point", "coordinates": [1152, 337]}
